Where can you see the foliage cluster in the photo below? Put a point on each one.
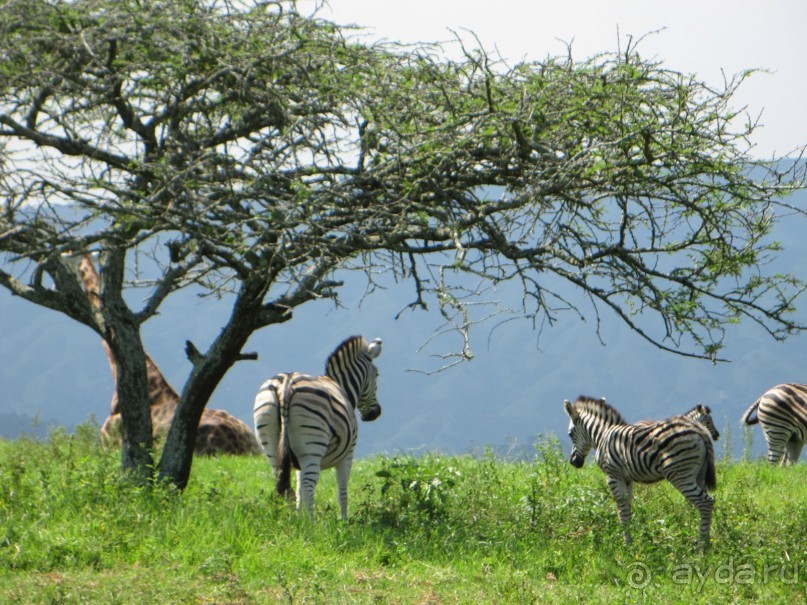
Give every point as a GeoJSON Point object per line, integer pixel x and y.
{"type": "Point", "coordinates": [257, 153]}
{"type": "Point", "coordinates": [424, 529]}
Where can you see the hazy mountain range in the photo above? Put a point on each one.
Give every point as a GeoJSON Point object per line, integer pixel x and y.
{"type": "Point", "coordinates": [54, 369]}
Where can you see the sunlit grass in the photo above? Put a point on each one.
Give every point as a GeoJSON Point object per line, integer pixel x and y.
{"type": "Point", "coordinates": [425, 529]}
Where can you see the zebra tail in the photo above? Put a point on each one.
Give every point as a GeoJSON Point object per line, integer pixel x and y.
{"type": "Point", "coordinates": [751, 411]}
{"type": "Point", "coordinates": [711, 475]}
{"type": "Point", "coordinates": [283, 481]}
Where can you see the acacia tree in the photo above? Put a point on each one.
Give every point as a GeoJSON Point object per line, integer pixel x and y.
{"type": "Point", "coordinates": [251, 150]}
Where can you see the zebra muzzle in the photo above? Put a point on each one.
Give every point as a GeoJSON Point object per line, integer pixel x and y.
{"type": "Point", "coordinates": [576, 460]}
{"type": "Point", "coordinates": [371, 414]}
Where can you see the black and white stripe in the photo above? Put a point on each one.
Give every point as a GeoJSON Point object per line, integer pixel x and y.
{"type": "Point", "coordinates": [700, 413]}
{"type": "Point", "coordinates": [782, 414]}
{"type": "Point", "coordinates": [309, 422]}
{"type": "Point", "coordinates": [677, 449]}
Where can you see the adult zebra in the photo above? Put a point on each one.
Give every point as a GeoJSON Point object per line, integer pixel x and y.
{"type": "Point", "coordinates": [782, 414]}
{"type": "Point", "coordinates": [677, 449]}
{"type": "Point", "coordinates": [309, 423]}
{"type": "Point", "coordinates": [700, 413]}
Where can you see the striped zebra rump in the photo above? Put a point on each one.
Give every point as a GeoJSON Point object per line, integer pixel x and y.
{"type": "Point", "coordinates": [309, 422]}
{"type": "Point", "coordinates": [271, 419]}
{"type": "Point", "coordinates": [269, 426]}
{"type": "Point", "coordinates": [297, 412]}
{"type": "Point", "coordinates": [781, 412]}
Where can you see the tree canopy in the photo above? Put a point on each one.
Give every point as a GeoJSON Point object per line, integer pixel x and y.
{"type": "Point", "coordinates": [256, 151]}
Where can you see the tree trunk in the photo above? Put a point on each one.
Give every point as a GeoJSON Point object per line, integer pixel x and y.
{"type": "Point", "coordinates": [208, 370]}
{"type": "Point", "coordinates": [121, 330]}
{"type": "Point", "coordinates": [132, 390]}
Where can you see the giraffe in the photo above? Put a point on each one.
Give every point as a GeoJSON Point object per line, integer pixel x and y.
{"type": "Point", "coordinates": [218, 432]}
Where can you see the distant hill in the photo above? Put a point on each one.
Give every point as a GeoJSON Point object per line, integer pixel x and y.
{"type": "Point", "coordinates": [509, 394]}
{"type": "Point", "coordinates": [14, 425]}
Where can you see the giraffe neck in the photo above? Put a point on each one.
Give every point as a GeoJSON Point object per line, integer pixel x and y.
{"type": "Point", "coordinates": [159, 391]}
{"type": "Point", "coordinates": [222, 432]}
{"type": "Point", "coordinates": [92, 286]}
{"type": "Point", "coordinates": [161, 416]}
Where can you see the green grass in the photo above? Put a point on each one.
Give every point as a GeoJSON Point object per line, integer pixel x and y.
{"type": "Point", "coordinates": [426, 529]}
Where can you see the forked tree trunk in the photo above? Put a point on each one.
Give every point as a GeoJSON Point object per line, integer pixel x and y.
{"type": "Point", "coordinates": [120, 328]}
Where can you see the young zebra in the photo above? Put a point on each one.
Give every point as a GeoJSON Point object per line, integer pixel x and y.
{"type": "Point", "coordinates": [782, 414]}
{"type": "Point", "coordinates": [678, 449]}
{"type": "Point", "coordinates": [309, 423]}
{"type": "Point", "coordinates": [700, 413]}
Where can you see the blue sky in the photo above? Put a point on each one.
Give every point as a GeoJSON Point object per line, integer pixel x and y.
{"type": "Point", "coordinates": [709, 38]}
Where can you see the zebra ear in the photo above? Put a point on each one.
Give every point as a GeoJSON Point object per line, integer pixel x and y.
{"type": "Point", "coordinates": [567, 405]}
{"type": "Point", "coordinates": [703, 409]}
{"type": "Point", "coordinates": [374, 348]}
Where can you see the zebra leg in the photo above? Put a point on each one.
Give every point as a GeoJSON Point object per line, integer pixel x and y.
{"type": "Point", "coordinates": [307, 479]}
{"type": "Point", "coordinates": [342, 478]}
{"type": "Point", "coordinates": [293, 495]}
{"type": "Point", "coordinates": [776, 441]}
{"type": "Point", "coordinates": [793, 450]}
{"type": "Point", "coordinates": [267, 427]}
{"type": "Point", "coordinates": [701, 500]}
{"type": "Point", "coordinates": [622, 491]}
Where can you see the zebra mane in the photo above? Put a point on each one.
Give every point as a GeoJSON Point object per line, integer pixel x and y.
{"type": "Point", "coordinates": [351, 348]}
{"type": "Point", "coordinates": [598, 407]}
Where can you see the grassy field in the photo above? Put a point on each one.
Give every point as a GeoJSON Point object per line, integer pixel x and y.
{"type": "Point", "coordinates": [425, 529]}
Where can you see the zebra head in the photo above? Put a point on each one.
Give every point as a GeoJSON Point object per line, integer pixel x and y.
{"type": "Point", "coordinates": [579, 434]}
{"type": "Point", "coordinates": [588, 418]}
{"type": "Point", "coordinates": [351, 366]}
{"type": "Point", "coordinates": [702, 414]}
